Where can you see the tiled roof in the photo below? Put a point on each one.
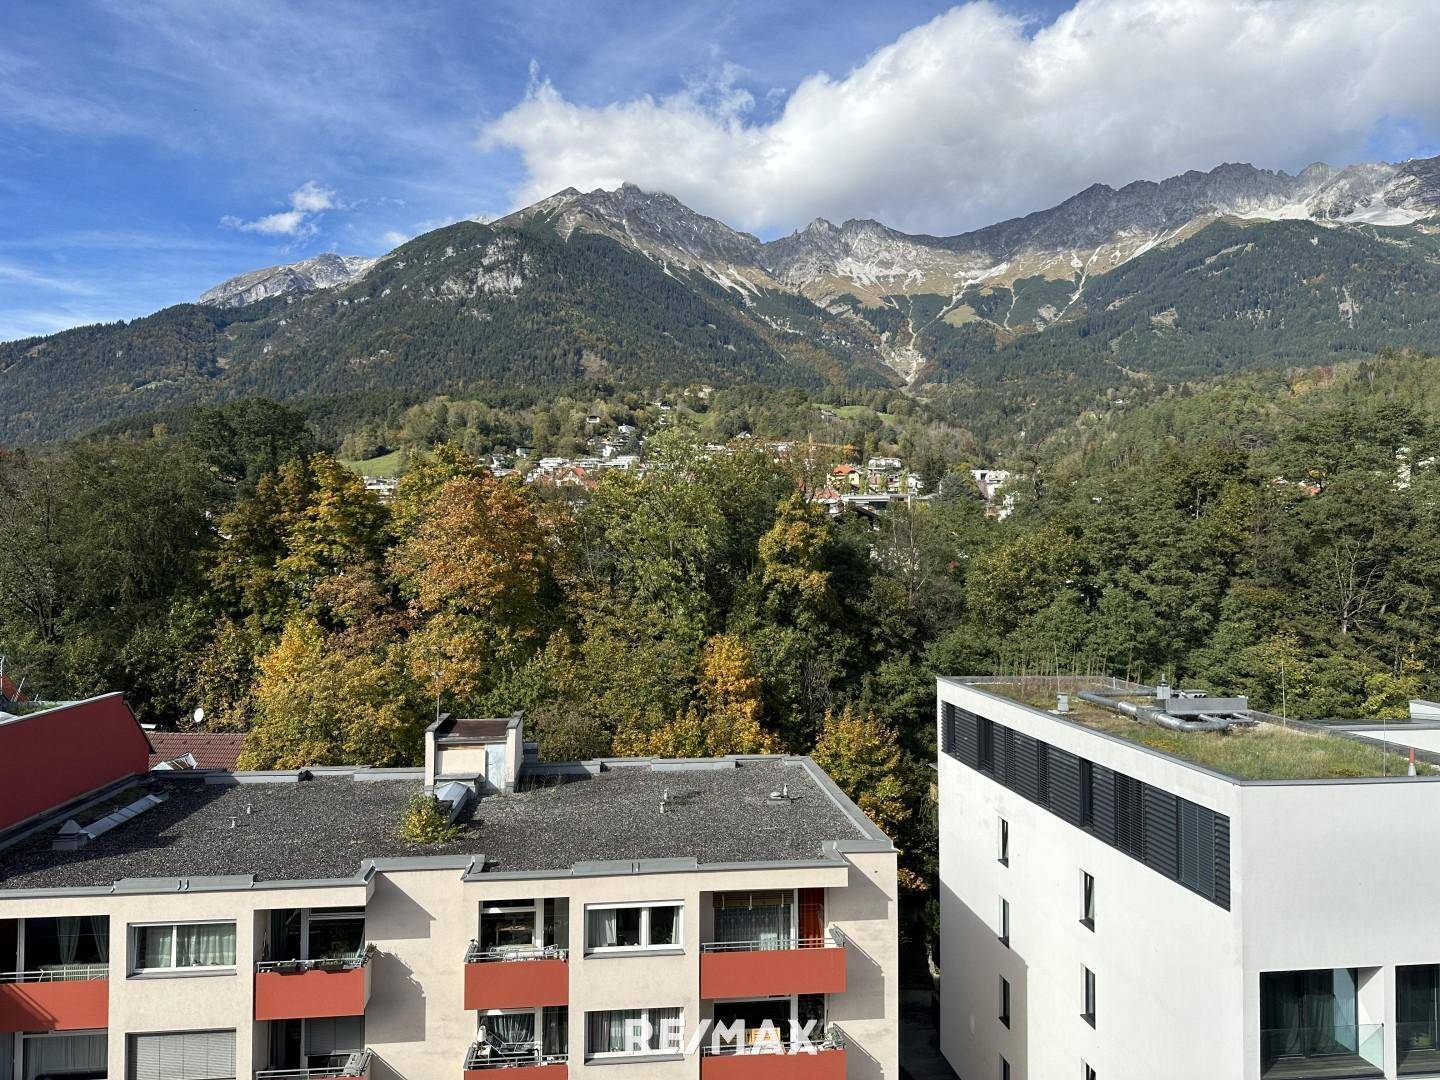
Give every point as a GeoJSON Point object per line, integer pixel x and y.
{"type": "Point", "coordinates": [212, 750]}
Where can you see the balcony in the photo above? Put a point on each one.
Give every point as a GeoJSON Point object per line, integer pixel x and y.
{"type": "Point", "coordinates": [516, 978]}
{"type": "Point", "coordinates": [356, 1065]}
{"type": "Point", "coordinates": [73, 997]}
{"type": "Point", "coordinates": [313, 989]}
{"type": "Point", "coordinates": [774, 1061]}
{"type": "Point", "coordinates": [1335, 1052]}
{"type": "Point", "coordinates": [1417, 1048]}
{"type": "Point", "coordinates": [770, 968]}
{"type": "Point", "coordinates": [518, 1062]}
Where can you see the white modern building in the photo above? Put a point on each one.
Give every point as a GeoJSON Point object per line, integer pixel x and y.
{"type": "Point", "coordinates": [1143, 887]}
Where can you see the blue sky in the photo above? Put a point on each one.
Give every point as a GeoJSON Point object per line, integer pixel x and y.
{"type": "Point", "coordinates": [152, 149]}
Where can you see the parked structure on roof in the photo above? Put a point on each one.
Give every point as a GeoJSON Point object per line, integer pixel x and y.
{"type": "Point", "coordinates": [571, 901]}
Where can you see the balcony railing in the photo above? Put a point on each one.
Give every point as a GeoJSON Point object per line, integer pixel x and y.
{"type": "Point", "coordinates": [313, 989]}
{"type": "Point", "coordinates": [1339, 1050]}
{"type": "Point", "coordinates": [476, 955]}
{"type": "Point", "coordinates": [832, 1039]}
{"type": "Point", "coordinates": [773, 967]}
{"type": "Point", "coordinates": [357, 1064]}
{"type": "Point", "coordinates": [510, 1056]}
{"type": "Point", "coordinates": [61, 973]}
{"type": "Point", "coordinates": [516, 978]}
{"type": "Point", "coordinates": [833, 940]}
{"type": "Point", "coordinates": [330, 963]}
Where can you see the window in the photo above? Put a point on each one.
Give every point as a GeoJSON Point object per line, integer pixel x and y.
{"type": "Point", "coordinates": [1004, 922]}
{"type": "Point", "coordinates": [183, 946]}
{"type": "Point", "coordinates": [635, 926]}
{"type": "Point", "coordinates": [1087, 900]}
{"type": "Point", "coordinates": [195, 1055]}
{"type": "Point", "coordinates": [1086, 1072]}
{"type": "Point", "coordinates": [1089, 1012]}
{"type": "Point", "coordinates": [1004, 1069]}
{"type": "Point", "coordinates": [1004, 842]}
{"type": "Point", "coordinates": [1004, 1001]}
{"type": "Point", "coordinates": [616, 1032]}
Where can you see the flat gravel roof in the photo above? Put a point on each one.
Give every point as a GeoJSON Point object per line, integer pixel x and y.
{"type": "Point", "coordinates": [324, 828]}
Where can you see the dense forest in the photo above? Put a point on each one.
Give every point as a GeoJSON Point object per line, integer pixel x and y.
{"type": "Point", "coordinates": [1276, 535]}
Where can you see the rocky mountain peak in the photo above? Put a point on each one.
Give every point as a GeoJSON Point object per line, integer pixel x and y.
{"type": "Point", "coordinates": [325, 271]}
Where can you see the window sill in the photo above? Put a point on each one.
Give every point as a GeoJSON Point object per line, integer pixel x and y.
{"type": "Point", "coordinates": [633, 1059]}
{"type": "Point", "coordinates": [195, 973]}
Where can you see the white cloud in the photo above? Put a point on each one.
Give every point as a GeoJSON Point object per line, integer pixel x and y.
{"type": "Point", "coordinates": [978, 114]}
{"type": "Point", "coordinates": [307, 202]}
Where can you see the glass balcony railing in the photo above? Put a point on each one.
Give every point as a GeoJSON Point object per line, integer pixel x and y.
{"type": "Point", "coordinates": [1322, 1050]}
{"type": "Point", "coordinates": [1417, 1047]}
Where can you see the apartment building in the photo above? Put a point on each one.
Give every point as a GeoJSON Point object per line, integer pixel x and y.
{"type": "Point", "coordinates": [1138, 884]}
{"type": "Point", "coordinates": [196, 924]}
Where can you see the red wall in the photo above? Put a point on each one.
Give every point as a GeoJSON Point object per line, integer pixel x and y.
{"type": "Point", "coordinates": [55, 1006]}
{"type": "Point", "coordinates": [51, 757]}
{"type": "Point", "coordinates": [311, 993]}
{"type": "Point", "coordinates": [517, 984]}
{"type": "Point", "coordinates": [771, 973]}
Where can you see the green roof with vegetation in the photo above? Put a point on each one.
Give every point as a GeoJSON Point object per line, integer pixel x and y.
{"type": "Point", "coordinates": [1271, 750]}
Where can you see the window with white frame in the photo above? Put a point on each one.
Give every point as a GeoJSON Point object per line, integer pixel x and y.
{"type": "Point", "coordinates": [182, 946]}
{"type": "Point", "coordinates": [621, 1032]}
{"type": "Point", "coordinates": [618, 927]}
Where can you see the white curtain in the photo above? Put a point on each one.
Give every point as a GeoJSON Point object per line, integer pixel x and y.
{"type": "Point", "coordinates": [769, 925]}
{"type": "Point", "coordinates": [514, 1032]}
{"type": "Point", "coordinates": [56, 1055]}
{"type": "Point", "coordinates": [605, 1031]}
{"type": "Point", "coordinates": [100, 931]}
{"type": "Point", "coordinates": [67, 935]}
{"type": "Point", "coordinates": [153, 946]}
{"type": "Point", "coordinates": [602, 928]}
{"type": "Point", "coordinates": [205, 945]}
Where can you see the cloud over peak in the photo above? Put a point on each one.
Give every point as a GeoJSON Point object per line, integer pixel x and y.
{"type": "Point", "coordinates": [980, 114]}
{"type": "Point", "coordinates": [307, 202]}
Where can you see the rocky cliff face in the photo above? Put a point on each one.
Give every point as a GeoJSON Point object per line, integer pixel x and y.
{"type": "Point", "coordinates": [321, 272]}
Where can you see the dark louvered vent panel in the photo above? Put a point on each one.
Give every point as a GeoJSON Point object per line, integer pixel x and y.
{"type": "Point", "coordinates": [1161, 832]}
{"type": "Point", "coordinates": [1102, 803]}
{"type": "Point", "coordinates": [1005, 755]}
{"type": "Point", "coordinates": [1186, 842]}
{"type": "Point", "coordinates": [967, 737]}
{"type": "Point", "coordinates": [1129, 815]}
{"type": "Point", "coordinates": [1064, 795]}
{"type": "Point", "coordinates": [1027, 767]}
{"type": "Point", "coordinates": [1197, 848]}
{"type": "Point", "coordinates": [1222, 861]}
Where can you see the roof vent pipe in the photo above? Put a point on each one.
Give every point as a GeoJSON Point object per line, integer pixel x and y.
{"type": "Point", "coordinates": [1146, 715]}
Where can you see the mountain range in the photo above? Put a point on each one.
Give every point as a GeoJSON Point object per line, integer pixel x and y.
{"type": "Point", "coordinates": [1025, 323]}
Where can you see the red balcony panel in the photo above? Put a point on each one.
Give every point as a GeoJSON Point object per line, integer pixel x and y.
{"type": "Point", "coordinates": [557, 1071]}
{"type": "Point", "coordinates": [311, 994]}
{"type": "Point", "coordinates": [771, 972]}
{"type": "Point", "coordinates": [55, 1006]}
{"type": "Point", "coordinates": [821, 1065]}
{"type": "Point", "coordinates": [517, 984]}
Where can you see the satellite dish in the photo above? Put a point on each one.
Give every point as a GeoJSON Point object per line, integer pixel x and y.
{"type": "Point", "coordinates": [199, 714]}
